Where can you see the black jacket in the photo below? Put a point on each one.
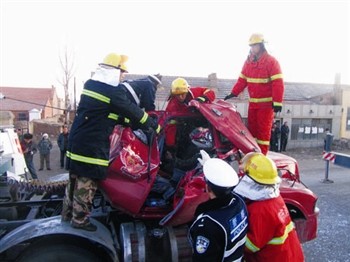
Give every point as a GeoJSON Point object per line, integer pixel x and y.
{"type": "Point", "coordinates": [218, 233]}
{"type": "Point", "coordinates": [99, 110]}
{"type": "Point", "coordinates": [145, 89]}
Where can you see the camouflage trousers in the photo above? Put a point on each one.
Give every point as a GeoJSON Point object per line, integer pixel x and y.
{"type": "Point", "coordinates": [78, 197]}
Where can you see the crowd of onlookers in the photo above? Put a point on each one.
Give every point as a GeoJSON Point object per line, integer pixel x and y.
{"type": "Point", "coordinates": [279, 137]}
{"type": "Point", "coordinates": [44, 147]}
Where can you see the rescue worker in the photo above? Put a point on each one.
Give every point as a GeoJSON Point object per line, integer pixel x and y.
{"type": "Point", "coordinates": [181, 95]}
{"type": "Point", "coordinates": [263, 76]}
{"type": "Point", "coordinates": [143, 91]}
{"type": "Point", "coordinates": [271, 234]}
{"type": "Point", "coordinates": [101, 103]}
{"type": "Point", "coordinates": [219, 231]}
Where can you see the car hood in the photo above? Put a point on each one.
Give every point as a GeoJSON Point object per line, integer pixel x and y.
{"type": "Point", "coordinates": [228, 121]}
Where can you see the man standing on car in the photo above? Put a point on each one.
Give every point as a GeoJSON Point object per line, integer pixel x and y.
{"type": "Point", "coordinates": [263, 76]}
{"type": "Point", "coordinates": [181, 94]}
{"type": "Point", "coordinates": [102, 103]}
{"type": "Point", "coordinates": [219, 231]}
{"type": "Point", "coordinates": [271, 234]}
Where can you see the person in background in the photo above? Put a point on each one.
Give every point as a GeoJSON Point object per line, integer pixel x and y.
{"type": "Point", "coordinates": [271, 234]}
{"type": "Point", "coordinates": [219, 231]}
{"type": "Point", "coordinates": [284, 136]}
{"type": "Point", "coordinates": [102, 103]}
{"type": "Point", "coordinates": [262, 75]}
{"type": "Point", "coordinates": [326, 132]}
{"type": "Point", "coordinates": [45, 147]}
{"type": "Point", "coordinates": [29, 149]}
{"type": "Point", "coordinates": [62, 142]}
{"type": "Point", "coordinates": [181, 95]}
{"type": "Point", "coordinates": [275, 136]}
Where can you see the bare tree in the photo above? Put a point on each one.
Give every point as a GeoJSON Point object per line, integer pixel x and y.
{"type": "Point", "coordinates": [68, 68]}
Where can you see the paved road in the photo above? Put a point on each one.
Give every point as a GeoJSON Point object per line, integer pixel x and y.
{"type": "Point", "coordinates": [333, 241]}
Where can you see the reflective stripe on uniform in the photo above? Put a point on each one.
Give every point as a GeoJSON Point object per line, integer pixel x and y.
{"type": "Point", "coordinates": [275, 241]}
{"type": "Point", "coordinates": [113, 116]}
{"type": "Point", "coordinates": [96, 95]}
{"type": "Point", "coordinates": [260, 100]}
{"type": "Point", "coordinates": [132, 92]}
{"type": "Point", "coordinates": [144, 118]}
{"type": "Point", "coordinates": [261, 80]}
{"type": "Point", "coordinates": [277, 104]}
{"type": "Point", "coordinates": [280, 240]}
{"type": "Point", "coordinates": [277, 76]}
{"type": "Point", "coordinates": [249, 244]}
{"type": "Point", "coordinates": [263, 142]}
{"type": "Point", "coordinates": [88, 160]}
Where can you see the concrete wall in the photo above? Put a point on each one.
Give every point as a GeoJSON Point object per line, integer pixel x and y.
{"type": "Point", "coordinates": [344, 118]}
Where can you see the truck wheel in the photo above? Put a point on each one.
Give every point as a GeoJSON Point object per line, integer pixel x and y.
{"type": "Point", "coordinates": [58, 253]}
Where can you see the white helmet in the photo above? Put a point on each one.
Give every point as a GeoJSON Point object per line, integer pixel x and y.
{"type": "Point", "coordinates": [220, 173]}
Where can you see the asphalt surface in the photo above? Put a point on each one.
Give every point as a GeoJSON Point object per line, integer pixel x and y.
{"type": "Point", "coordinates": [333, 241]}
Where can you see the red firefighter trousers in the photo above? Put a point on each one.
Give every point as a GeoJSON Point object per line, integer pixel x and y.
{"type": "Point", "coordinates": [259, 124]}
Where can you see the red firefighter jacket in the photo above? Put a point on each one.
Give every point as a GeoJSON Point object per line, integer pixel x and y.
{"type": "Point", "coordinates": [264, 80]}
{"type": "Point", "coordinates": [175, 106]}
{"type": "Point", "coordinates": [271, 235]}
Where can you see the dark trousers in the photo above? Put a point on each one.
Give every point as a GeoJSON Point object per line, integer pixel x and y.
{"type": "Point", "coordinates": [31, 168]}
{"type": "Point", "coordinates": [45, 158]}
{"type": "Point", "coordinates": [62, 157]}
{"type": "Point", "coordinates": [284, 141]}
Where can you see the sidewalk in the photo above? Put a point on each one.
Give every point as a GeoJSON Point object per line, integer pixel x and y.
{"type": "Point", "coordinates": [54, 164]}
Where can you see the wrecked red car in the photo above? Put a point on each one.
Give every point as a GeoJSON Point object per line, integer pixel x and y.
{"type": "Point", "coordinates": [135, 166]}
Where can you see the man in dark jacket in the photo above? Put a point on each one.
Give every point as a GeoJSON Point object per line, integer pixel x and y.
{"type": "Point", "coordinates": [101, 105]}
{"type": "Point", "coordinates": [62, 142]}
{"type": "Point", "coordinates": [219, 232]}
{"type": "Point", "coordinates": [143, 91]}
{"type": "Point", "coordinates": [284, 136]}
{"type": "Point", "coordinates": [29, 149]}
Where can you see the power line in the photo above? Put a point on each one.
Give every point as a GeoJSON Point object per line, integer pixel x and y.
{"type": "Point", "coordinates": [33, 103]}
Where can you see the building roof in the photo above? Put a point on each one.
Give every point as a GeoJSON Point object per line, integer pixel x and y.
{"type": "Point", "coordinates": [24, 99]}
{"type": "Point", "coordinates": [300, 92]}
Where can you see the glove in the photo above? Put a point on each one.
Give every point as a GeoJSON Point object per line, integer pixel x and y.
{"type": "Point", "coordinates": [229, 96]}
{"type": "Point", "coordinates": [277, 108]}
{"type": "Point", "coordinates": [202, 99]}
{"type": "Point", "coordinates": [204, 158]}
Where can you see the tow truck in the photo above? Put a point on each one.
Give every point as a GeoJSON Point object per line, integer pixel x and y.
{"type": "Point", "coordinates": [134, 223]}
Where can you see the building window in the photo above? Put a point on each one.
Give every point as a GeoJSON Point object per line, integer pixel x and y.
{"type": "Point", "coordinates": [22, 117]}
{"type": "Point", "coordinates": [348, 119]}
{"type": "Point", "coordinates": [309, 129]}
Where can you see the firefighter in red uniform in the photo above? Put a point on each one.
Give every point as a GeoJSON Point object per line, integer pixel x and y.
{"type": "Point", "coordinates": [262, 74]}
{"type": "Point", "coordinates": [271, 234]}
{"type": "Point", "coordinates": [181, 95]}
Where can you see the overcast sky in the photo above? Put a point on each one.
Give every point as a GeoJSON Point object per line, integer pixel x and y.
{"type": "Point", "coordinates": [182, 38]}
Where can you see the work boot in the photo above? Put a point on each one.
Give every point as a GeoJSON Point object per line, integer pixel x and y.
{"type": "Point", "coordinates": [66, 218]}
{"type": "Point", "coordinates": [87, 226]}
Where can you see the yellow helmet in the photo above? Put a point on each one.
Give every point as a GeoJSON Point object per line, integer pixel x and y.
{"type": "Point", "coordinates": [123, 68]}
{"type": "Point", "coordinates": [260, 168]}
{"type": "Point", "coordinates": [256, 39]}
{"type": "Point", "coordinates": [115, 60]}
{"type": "Point", "coordinates": [179, 86]}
